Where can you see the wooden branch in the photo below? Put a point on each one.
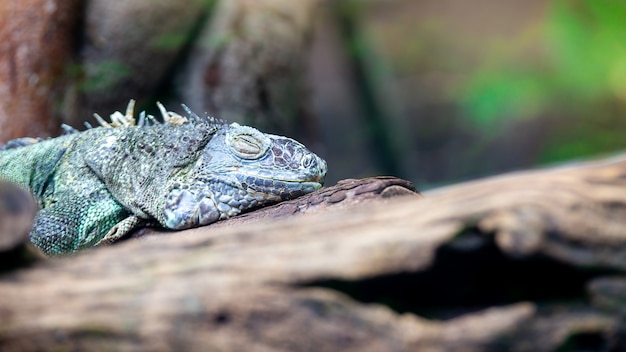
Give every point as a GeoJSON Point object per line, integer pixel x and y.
{"type": "Point", "coordinates": [503, 263]}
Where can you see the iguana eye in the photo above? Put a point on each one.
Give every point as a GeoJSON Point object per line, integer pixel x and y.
{"type": "Point", "coordinates": [246, 142]}
{"type": "Point", "coordinates": [245, 146]}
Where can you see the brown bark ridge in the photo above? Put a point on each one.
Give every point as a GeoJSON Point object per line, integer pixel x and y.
{"type": "Point", "coordinates": [36, 41]}
{"type": "Point", "coordinates": [529, 261]}
{"type": "Point", "coordinates": [249, 64]}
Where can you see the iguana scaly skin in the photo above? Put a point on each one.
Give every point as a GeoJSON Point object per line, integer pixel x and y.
{"type": "Point", "coordinates": [97, 185]}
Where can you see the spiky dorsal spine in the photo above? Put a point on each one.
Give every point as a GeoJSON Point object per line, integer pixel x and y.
{"type": "Point", "coordinates": [125, 120]}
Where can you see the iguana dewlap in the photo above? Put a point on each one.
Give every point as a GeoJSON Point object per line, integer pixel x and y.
{"type": "Point", "coordinates": [97, 185]}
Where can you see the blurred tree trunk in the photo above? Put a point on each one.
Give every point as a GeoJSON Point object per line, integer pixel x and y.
{"type": "Point", "coordinates": [128, 50]}
{"type": "Point", "coordinates": [36, 42]}
{"type": "Point", "coordinates": [249, 65]}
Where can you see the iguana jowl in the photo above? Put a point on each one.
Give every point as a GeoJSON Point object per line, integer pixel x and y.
{"type": "Point", "coordinates": [97, 185]}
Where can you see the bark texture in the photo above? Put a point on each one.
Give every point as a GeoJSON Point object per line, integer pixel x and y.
{"type": "Point", "coordinates": [530, 261]}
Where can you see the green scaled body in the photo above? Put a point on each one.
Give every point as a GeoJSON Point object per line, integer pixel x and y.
{"type": "Point", "coordinates": [76, 208]}
{"type": "Point", "coordinates": [95, 186]}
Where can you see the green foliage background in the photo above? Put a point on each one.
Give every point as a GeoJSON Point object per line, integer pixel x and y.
{"type": "Point", "coordinates": [580, 72]}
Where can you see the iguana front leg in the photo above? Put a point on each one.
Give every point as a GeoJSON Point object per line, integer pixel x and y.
{"type": "Point", "coordinates": [74, 223]}
{"type": "Point", "coordinates": [121, 229]}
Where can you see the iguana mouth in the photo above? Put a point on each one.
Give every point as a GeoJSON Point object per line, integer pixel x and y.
{"type": "Point", "coordinates": [285, 189]}
{"type": "Point", "coordinates": [286, 184]}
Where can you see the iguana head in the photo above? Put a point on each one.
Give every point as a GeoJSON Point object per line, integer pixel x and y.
{"type": "Point", "coordinates": [192, 171]}
{"type": "Point", "coordinates": [238, 169]}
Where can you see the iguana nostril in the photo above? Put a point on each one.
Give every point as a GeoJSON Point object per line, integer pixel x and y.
{"type": "Point", "coordinates": [307, 160]}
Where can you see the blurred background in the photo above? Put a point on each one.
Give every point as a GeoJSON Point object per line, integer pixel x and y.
{"type": "Point", "coordinates": [432, 91]}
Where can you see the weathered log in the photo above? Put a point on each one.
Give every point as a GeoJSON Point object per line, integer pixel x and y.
{"type": "Point", "coordinates": [504, 263]}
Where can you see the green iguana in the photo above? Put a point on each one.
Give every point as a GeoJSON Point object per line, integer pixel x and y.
{"type": "Point", "coordinates": [96, 186]}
